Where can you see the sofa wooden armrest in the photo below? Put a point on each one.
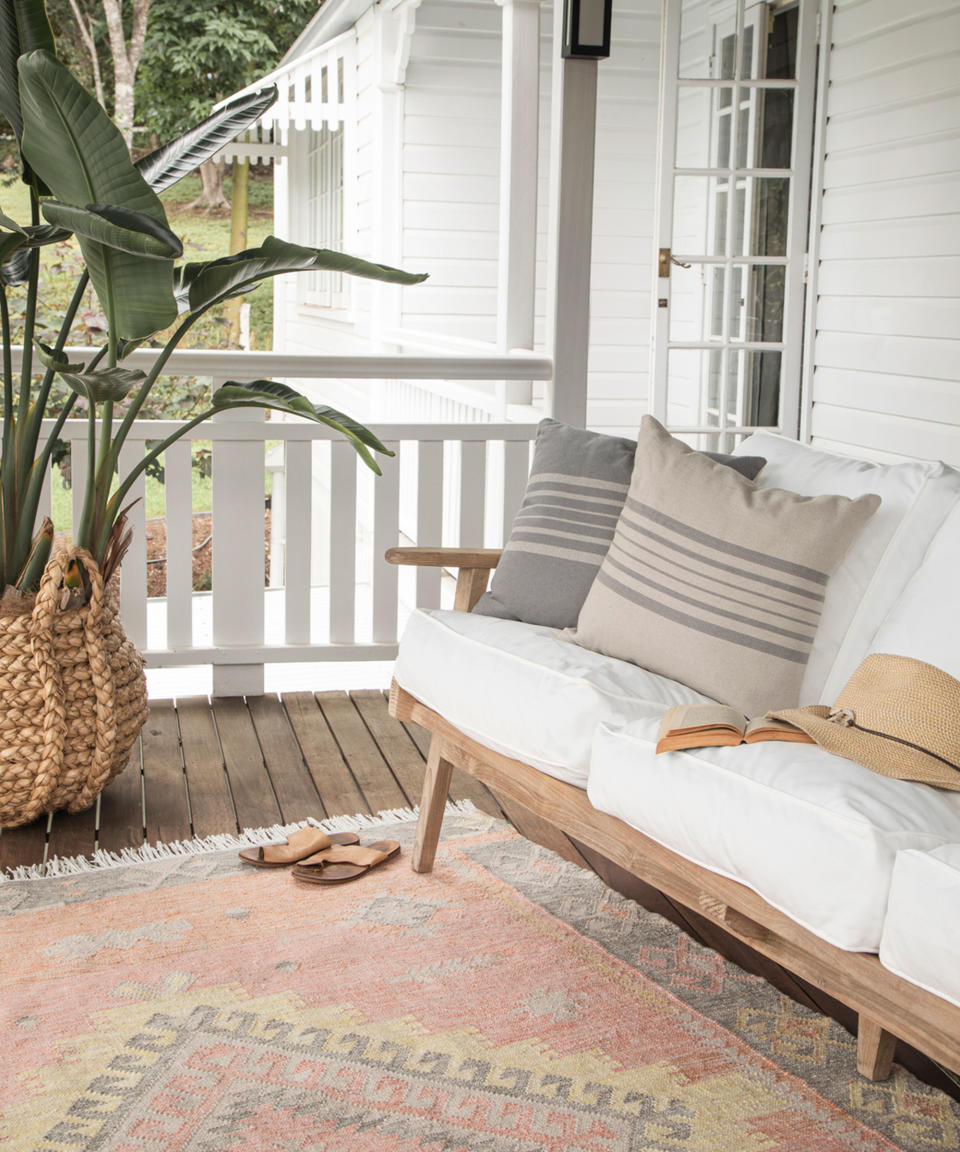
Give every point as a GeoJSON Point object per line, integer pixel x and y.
{"type": "Point", "coordinates": [473, 564]}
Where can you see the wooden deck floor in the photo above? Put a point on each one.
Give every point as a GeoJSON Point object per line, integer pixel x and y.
{"type": "Point", "coordinates": [203, 768]}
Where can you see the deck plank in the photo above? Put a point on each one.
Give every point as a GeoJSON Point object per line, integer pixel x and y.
{"type": "Point", "coordinates": [164, 784]}
{"type": "Point", "coordinates": [122, 820]}
{"type": "Point", "coordinates": [294, 787]}
{"type": "Point", "coordinates": [253, 794]}
{"type": "Point", "coordinates": [73, 834]}
{"type": "Point", "coordinates": [462, 785]}
{"type": "Point", "coordinates": [338, 789]}
{"type": "Point", "coordinates": [394, 743]}
{"type": "Point", "coordinates": [21, 847]}
{"type": "Point", "coordinates": [366, 762]}
{"type": "Point", "coordinates": [210, 800]}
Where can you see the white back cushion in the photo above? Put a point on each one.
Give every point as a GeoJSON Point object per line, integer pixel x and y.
{"type": "Point", "coordinates": [917, 497]}
{"type": "Point", "coordinates": [925, 621]}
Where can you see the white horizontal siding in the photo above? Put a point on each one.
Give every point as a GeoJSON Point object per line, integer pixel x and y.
{"type": "Point", "coordinates": [449, 215]}
{"type": "Point", "coordinates": [887, 349]}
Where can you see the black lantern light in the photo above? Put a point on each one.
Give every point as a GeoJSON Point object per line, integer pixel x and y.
{"type": "Point", "coordinates": [586, 29]}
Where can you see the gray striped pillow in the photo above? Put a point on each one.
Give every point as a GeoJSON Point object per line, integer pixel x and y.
{"type": "Point", "coordinates": [578, 482]}
{"type": "Point", "coordinates": [714, 581]}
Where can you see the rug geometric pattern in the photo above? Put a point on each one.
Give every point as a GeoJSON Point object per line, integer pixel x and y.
{"type": "Point", "coordinates": [508, 1002]}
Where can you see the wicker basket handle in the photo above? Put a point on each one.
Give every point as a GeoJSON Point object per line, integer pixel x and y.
{"type": "Point", "coordinates": [54, 711]}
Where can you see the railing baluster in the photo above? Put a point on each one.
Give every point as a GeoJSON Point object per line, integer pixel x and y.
{"type": "Point", "coordinates": [429, 516]}
{"type": "Point", "coordinates": [133, 572]}
{"type": "Point", "coordinates": [343, 543]}
{"type": "Point", "coordinates": [516, 467]}
{"type": "Point", "coordinates": [386, 532]}
{"type": "Point", "coordinates": [238, 559]}
{"type": "Point", "coordinates": [178, 492]}
{"type": "Point", "coordinates": [473, 478]}
{"type": "Point", "coordinates": [296, 524]}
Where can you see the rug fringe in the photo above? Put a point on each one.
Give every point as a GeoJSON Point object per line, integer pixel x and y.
{"type": "Point", "coordinates": [75, 865]}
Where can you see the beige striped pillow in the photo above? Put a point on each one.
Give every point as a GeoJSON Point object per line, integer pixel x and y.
{"type": "Point", "coordinates": [714, 581]}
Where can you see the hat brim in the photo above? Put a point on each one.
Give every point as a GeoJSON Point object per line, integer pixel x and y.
{"type": "Point", "coordinates": [882, 754]}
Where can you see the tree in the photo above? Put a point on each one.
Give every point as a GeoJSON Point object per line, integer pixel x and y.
{"type": "Point", "coordinates": [126, 51]}
{"type": "Point", "coordinates": [103, 41]}
{"type": "Point", "coordinates": [199, 53]}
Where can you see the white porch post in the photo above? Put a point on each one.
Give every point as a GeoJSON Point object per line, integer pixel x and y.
{"type": "Point", "coordinates": [519, 140]}
{"type": "Point", "coordinates": [573, 110]}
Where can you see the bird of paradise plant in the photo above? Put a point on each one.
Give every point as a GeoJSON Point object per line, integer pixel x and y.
{"type": "Point", "coordinates": [83, 182]}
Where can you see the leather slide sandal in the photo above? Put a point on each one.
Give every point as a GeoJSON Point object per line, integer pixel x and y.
{"type": "Point", "coordinates": [339, 864]}
{"type": "Point", "coordinates": [299, 845]}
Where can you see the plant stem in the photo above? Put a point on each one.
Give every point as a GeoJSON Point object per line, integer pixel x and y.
{"type": "Point", "coordinates": [116, 500]}
{"type": "Point", "coordinates": [151, 378]}
{"type": "Point", "coordinates": [29, 321]}
{"type": "Point", "coordinates": [47, 383]}
{"type": "Point", "coordinates": [7, 470]}
{"type": "Point", "coordinates": [84, 532]}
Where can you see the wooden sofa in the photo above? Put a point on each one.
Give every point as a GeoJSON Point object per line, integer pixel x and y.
{"type": "Point", "coordinates": [887, 1006]}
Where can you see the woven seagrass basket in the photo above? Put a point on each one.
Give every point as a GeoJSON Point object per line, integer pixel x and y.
{"type": "Point", "coordinates": [73, 698]}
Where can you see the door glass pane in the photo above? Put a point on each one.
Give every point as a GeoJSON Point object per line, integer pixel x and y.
{"type": "Point", "coordinates": [687, 374]}
{"type": "Point", "coordinates": [702, 49]}
{"type": "Point", "coordinates": [771, 203]}
{"type": "Point", "coordinates": [698, 119]}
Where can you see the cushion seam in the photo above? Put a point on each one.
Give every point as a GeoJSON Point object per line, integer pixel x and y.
{"type": "Point", "coordinates": [565, 675]}
{"type": "Point", "coordinates": [859, 821]}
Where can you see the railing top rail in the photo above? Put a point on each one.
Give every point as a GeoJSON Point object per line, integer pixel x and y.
{"type": "Point", "coordinates": [223, 363]}
{"type": "Point", "coordinates": [225, 429]}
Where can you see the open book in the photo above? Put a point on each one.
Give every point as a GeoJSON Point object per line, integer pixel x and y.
{"type": "Point", "coordinates": [701, 725]}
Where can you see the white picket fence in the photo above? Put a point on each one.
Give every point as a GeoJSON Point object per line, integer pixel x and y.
{"type": "Point", "coordinates": [331, 595]}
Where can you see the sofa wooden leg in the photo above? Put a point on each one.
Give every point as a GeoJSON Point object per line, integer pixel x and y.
{"type": "Point", "coordinates": [874, 1049]}
{"type": "Point", "coordinates": [436, 784]}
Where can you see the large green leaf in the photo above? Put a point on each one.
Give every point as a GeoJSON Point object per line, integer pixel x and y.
{"type": "Point", "coordinates": [282, 398]}
{"type": "Point", "coordinates": [105, 383]}
{"type": "Point", "coordinates": [76, 149]}
{"type": "Point", "coordinates": [119, 228]}
{"type": "Point", "coordinates": [200, 285]}
{"type": "Point", "coordinates": [54, 360]}
{"type": "Point", "coordinates": [15, 249]}
{"type": "Point", "coordinates": [180, 157]}
{"type": "Point", "coordinates": [23, 28]}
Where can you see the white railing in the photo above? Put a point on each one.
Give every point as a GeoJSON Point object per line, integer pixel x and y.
{"type": "Point", "coordinates": [331, 595]}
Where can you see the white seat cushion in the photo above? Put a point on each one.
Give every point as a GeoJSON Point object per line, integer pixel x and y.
{"type": "Point", "coordinates": [814, 834]}
{"type": "Point", "coordinates": [925, 623]}
{"type": "Point", "coordinates": [522, 690]}
{"type": "Point", "coordinates": [921, 933]}
{"type": "Point", "coordinates": [917, 497]}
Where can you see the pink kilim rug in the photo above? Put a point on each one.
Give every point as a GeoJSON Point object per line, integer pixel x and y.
{"type": "Point", "coordinates": [508, 1002]}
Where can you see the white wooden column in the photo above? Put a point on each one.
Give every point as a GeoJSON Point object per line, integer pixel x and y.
{"type": "Point", "coordinates": [573, 109]}
{"type": "Point", "coordinates": [238, 546]}
{"type": "Point", "coordinates": [519, 137]}
{"type": "Point", "coordinates": [393, 31]}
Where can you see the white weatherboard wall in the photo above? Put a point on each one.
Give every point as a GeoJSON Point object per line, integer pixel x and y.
{"type": "Point", "coordinates": [427, 135]}
{"type": "Point", "coordinates": [886, 379]}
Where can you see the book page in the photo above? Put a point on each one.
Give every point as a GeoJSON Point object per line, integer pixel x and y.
{"type": "Point", "coordinates": [687, 717]}
{"type": "Point", "coordinates": [762, 728]}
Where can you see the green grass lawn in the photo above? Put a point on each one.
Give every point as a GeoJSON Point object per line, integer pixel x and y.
{"type": "Point", "coordinates": [205, 237]}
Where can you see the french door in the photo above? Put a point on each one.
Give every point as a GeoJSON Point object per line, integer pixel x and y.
{"type": "Point", "coordinates": [737, 94]}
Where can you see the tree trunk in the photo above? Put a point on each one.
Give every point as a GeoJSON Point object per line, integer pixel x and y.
{"type": "Point", "coordinates": [211, 183]}
{"type": "Point", "coordinates": [126, 59]}
{"type": "Point", "coordinates": [85, 28]}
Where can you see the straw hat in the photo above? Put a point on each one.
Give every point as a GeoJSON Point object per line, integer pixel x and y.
{"type": "Point", "coordinates": [897, 716]}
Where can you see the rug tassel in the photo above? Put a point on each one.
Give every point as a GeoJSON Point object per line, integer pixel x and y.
{"type": "Point", "coordinates": [249, 837]}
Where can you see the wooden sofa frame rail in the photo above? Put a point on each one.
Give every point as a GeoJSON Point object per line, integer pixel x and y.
{"type": "Point", "coordinates": [887, 1006]}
